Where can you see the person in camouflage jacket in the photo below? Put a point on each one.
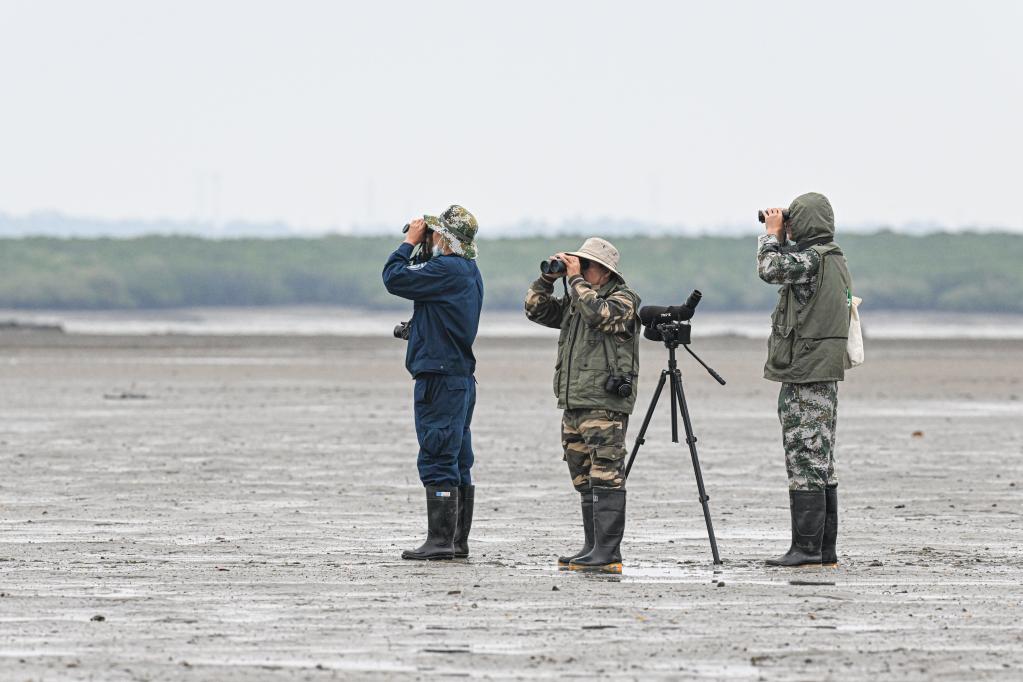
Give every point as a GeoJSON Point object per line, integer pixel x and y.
{"type": "Point", "coordinates": [806, 353]}
{"type": "Point", "coordinates": [599, 324]}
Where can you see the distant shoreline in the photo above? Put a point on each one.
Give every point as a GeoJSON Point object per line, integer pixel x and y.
{"type": "Point", "coordinates": [324, 321]}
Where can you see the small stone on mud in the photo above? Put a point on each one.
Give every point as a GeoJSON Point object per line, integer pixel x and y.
{"type": "Point", "coordinates": [900, 506]}
{"type": "Point", "coordinates": [554, 588]}
{"type": "Point", "coordinates": [918, 434]}
{"type": "Point", "coordinates": [454, 592]}
{"type": "Point", "coordinates": [721, 583]}
{"type": "Point", "coordinates": [875, 562]}
{"type": "Point", "coordinates": [98, 618]}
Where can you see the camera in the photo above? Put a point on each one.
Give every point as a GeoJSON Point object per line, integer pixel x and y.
{"type": "Point", "coordinates": [674, 313]}
{"type": "Point", "coordinates": [670, 324]}
{"type": "Point", "coordinates": [402, 330]}
{"type": "Point", "coordinates": [762, 218]}
{"type": "Point", "coordinates": [620, 386]}
{"type": "Point", "coordinates": [553, 266]}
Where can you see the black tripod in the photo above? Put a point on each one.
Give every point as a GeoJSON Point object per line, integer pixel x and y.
{"type": "Point", "coordinates": [675, 334]}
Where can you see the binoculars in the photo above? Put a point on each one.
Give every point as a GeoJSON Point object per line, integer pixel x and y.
{"type": "Point", "coordinates": [760, 216]}
{"type": "Point", "coordinates": [553, 267]}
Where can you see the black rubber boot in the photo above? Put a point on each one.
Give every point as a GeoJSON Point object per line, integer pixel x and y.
{"type": "Point", "coordinates": [587, 505]}
{"type": "Point", "coordinates": [441, 517]}
{"type": "Point", "coordinates": [466, 493]}
{"type": "Point", "coordinates": [807, 508]}
{"type": "Point", "coordinates": [608, 529]}
{"type": "Point", "coordinates": [829, 555]}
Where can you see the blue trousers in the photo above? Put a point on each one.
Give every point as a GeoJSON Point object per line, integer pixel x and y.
{"type": "Point", "coordinates": [443, 407]}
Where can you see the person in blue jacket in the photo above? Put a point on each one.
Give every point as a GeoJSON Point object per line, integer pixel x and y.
{"type": "Point", "coordinates": [447, 291]}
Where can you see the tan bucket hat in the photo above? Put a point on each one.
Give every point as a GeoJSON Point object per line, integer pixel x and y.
{"type": "Point", "coordinates": [600, 251]}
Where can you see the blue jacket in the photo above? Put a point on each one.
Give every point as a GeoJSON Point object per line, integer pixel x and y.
{"type": "Point", "coordinates": [448, 294]}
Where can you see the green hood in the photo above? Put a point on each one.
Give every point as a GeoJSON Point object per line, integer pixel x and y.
{"type": "Point", "coordinates": [811, 217]}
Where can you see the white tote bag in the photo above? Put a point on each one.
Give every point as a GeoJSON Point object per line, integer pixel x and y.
{"type": "Point", "coordinates": [854, 348]}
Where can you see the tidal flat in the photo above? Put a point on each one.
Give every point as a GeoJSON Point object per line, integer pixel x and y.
{"type": "Point", "coordinates": [233, 508]}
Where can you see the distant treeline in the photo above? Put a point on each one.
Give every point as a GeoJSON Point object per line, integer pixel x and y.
{"type": "Point", "coordinates": [953, 272]}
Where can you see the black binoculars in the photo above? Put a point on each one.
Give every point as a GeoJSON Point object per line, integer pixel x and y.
{"type": "Point", "coordinates": [553, 266]}
{"type": "Point", "coordinates": [761, 218]}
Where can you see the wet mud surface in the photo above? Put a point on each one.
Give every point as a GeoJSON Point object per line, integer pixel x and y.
{"type": "Point", "coordinates": [234, 509]}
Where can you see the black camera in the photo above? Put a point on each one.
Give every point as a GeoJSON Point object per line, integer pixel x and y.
{"type": "Point", "coordinates": [674, 313]}
{"type": "Point", "coordinates": [553, 266]}
{"type": "Point", "coordinates": [620, 386]}
{"type": "Point", "coordinates": [670, 324]}
{"type": "Point", "coordinates": [402, 330]}
{"type": "Point", "coordinates": [762, 218]}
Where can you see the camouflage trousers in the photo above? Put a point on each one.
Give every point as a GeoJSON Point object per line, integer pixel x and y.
{"type": "Point", "coordinates": [594, 443]}
{"type": "Point", "coordinates": [808, 414]}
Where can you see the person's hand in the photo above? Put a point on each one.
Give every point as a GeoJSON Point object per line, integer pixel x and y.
{"type": "Point", "coordinates": [774, 223]}
{"type": "Point", "coordinates": [416, 231]}
{"type": "Point", "coordinates": [572, 265]}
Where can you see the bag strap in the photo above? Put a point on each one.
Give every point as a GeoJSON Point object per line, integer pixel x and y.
{"type": "Point", "coordinates": [607, 355]}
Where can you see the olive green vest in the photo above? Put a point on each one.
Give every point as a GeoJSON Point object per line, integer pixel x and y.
{"type": "Point", "coordinates": [808, 342]}
{"type": "Point", "coordinates": [584, 354]}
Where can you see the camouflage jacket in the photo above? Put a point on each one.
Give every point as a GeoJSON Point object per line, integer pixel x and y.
{"type": "Point", "coordinates": [797, 268]}
{"type": "Point", "coordinates": [599, 336]}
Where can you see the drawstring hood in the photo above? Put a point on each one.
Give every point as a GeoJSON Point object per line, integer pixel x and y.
{"type": "Point", "coordinates": [811, 217]}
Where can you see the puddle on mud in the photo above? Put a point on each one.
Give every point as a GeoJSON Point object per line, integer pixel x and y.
{"type": "Point", "coordinates": [689, 574]}
{"type": "Point", "coordinates": [752, 575]}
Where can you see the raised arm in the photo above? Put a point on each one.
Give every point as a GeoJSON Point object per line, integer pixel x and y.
{"type": "Point", "coordinates": [776, 267]}
{"type": "Point", "coordinates": [541, 305]}
{"type": "Point", "coordinates": [421, 282]}
{"type": "Point", "coordinates": [615, 314]}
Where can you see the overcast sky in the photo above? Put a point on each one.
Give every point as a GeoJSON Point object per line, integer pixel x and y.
{"type": "Point", "coordinates": [333, 114]}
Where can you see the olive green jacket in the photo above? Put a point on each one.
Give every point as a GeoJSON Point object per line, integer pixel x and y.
{"type": "Point", "coordinates": [808, 340]}
{"type": "Point", "coordinates": [599, 335]}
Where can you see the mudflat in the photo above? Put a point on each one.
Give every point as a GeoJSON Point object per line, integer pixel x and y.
{"type": "Point", "coordinates": [233, 508]}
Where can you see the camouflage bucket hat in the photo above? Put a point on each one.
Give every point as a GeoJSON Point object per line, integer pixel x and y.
{"type": "Point", "coordinates": [458, 228]}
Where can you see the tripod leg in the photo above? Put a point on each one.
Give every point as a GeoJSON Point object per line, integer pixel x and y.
{"type": "Point", "coordinates": [646, 423]}
{"type": "Point", "coordinates": [676, 382]}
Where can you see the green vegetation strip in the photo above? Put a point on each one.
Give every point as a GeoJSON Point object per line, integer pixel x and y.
{"type": "Point", "coordinates": [942, 272]}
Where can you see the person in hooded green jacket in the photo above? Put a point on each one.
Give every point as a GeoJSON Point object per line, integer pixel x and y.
{"type": "Point", "coordinates": [806, 353]}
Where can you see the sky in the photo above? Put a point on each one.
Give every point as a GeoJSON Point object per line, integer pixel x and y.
{"type": "Point", "coordinates": [335, 115]}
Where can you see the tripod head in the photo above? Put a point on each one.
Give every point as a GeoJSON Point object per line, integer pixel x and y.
{"type": "Point", "coordinates": [672, 333]}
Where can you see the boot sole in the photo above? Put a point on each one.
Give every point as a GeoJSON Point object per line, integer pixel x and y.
{"type": "Point", "coordinates": [428, 558]}
{"type": "Point", "coordinates": [605, 568]}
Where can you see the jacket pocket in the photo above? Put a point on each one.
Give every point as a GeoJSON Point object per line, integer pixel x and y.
{"type": "Point", "coordinates": [591, 383]}
{"type": "Point", "coordinates": [438, 401]}
{"type": "Point", "coordinates": [780, 348]}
